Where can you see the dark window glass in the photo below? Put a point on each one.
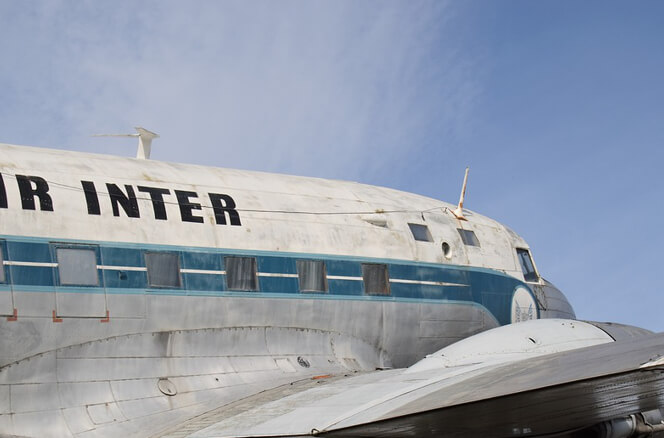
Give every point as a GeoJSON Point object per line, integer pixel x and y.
{"type": "Point", "coordinates": [241, 273]}
{"type": "Point", "coordinates": [311, 274]}
{"type": "Point", "coordinates": [163, 269]}
{"type": "Point", "coordinates": [420, 232]}
{"type": "Point", "coordinates": [527, 266]}
{"type": "Point", "coordinates": [376, 279]}
{"type": "Point", "coordinates": [2, 266]}
{"type": "Point", "coordinates": [469, 238]}
{"type": "Point", "coordinates": [77, 267]}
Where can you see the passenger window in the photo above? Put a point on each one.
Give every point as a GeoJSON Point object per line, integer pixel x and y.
{"type": "Point", "coordinates": [420, 232]}
{"type": "Point", "coordinates": [376, 279]}
{"type": "Point", "coordinates": [163, 269]}
{"type": "Point", "coordinates": [468, 237]}
{"type": "Point", "coordinates": [527, 266]}
{"type": "Point", "coordinates": [311, 274]}
{"type": "Point", "coordinates": [77, 267]}
{"type": "Point", "coordinates": [241, 273]}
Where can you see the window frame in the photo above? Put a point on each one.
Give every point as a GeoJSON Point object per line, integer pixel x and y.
{"type": "Point", "coordinates": [147, 255]}
{"type": "Point", "coordinates": [421, 228]}
{"type": "Point", "coordinates": [530, 276]}
{"type": "Point", "coordinates": [254, 263]}
{"type": "Point", "coordinates": [300, 275]}
{"type": "Point", "coordinates": [63, 267]}
{"type": "Point", "coordinates": [365, 282]}
{"type": "Point", "coordinates": [469, 238]}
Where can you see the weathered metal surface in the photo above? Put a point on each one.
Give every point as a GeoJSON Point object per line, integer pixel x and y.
{"type": "Point", "coordinates": [551, 394]}
{"type": "Point", "coordinates": [271, 206]}
{"type": "Point", "coordinates": [102, 360]}
{"type": "Point", "coordinates": [117, 385]}
{"type": "Point", "coordinates": [504, 390]}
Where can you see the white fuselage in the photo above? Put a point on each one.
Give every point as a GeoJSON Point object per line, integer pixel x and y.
{"type": "Point", "coordinates": [101, 254]}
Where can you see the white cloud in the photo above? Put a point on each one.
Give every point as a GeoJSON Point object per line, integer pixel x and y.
{"type": "Point", "coordinates": [341, 89]}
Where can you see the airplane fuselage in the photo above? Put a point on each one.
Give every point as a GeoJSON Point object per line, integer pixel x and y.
{"type": "Point", "coordinates": [111, 251]}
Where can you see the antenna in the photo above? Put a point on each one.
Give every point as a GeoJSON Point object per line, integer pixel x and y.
{"type": "Point", "coordinates": [145, 138]}
{"type": "Point", "coordinates": [458, 212]}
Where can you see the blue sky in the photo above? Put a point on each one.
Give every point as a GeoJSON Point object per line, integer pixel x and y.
{"type": "Point", "coordinates": [557, 106]}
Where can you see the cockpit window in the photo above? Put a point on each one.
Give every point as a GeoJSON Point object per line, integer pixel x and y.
{"type": "Point", "coordinates": [468, 236]}
{"type": "Point", "coordinates": [527, 266]}
{"type": "Point", "coordinates": [420, 232]}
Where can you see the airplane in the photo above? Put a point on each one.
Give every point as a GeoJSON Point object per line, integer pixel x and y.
{"type": "Point", "coordinates": [142, 298]}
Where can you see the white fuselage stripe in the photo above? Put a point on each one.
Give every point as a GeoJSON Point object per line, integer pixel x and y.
{"type": "Point", "coordinates": [271, 274]}
{"type": "Point", "coordinates": [343, 277]}
{"type": "Point", "coordinates": [213, 272]}
{"type": "Point", "coordinates": [33, 264]}
{"type": "Point", "coordinates": [123, 268]}
{"type": "Point", "coordinates": [428, 283]}
{"type": "Point", "coordinates": [202, 271]}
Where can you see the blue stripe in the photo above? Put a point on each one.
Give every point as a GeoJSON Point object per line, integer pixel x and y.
{"type": "Point", "coordinates": [486, 288]}
{"type": "Point", "coordinates": [276, 265]}
{"type": "Point", "coordinates": [31, 275]}
{"type": "Point", "coordinates": [29, 251]}
{"type": "Point", "coordinates": [201, 260]}
{"type": "Point", "coordinates": [295, 255]}
{"type": "Point", "coordinates": [125, 279]}
{"type": "Point", "coordinates": [203, 282]}
{"type": "Point", "coordinates": [114, 256]}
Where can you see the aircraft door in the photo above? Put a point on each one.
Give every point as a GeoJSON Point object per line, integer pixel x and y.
{"type": "Point", "coordinates": [80, 291]}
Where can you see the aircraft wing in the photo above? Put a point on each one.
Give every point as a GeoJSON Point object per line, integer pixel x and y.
{"type": "Point", "coordinates": [493, 385]}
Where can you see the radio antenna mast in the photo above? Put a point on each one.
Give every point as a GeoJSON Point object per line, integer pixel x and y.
{"type": "Point", "coordinates": [145, 138]}
{"type": "Point", "coordinates": [458, 212]}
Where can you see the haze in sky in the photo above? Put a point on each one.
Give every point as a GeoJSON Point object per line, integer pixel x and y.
{"type": "Point", "coordinates": [557, 107]}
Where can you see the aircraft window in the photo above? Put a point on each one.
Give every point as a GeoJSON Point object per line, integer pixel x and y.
{"type": "Point", "coordinates": [376, 279]}
{"type": "Point", "coordinates": [527, 266]}
{"type": "Point", "coordinates": [163, 269]}
{"type": "Point", "coordinates": [420, 232]}
{"type": "Point", "coordinates": [311, 274]}
{"type": "Point", "coordinates": [241, 273]}
{"type": "Point", "coordinates": [468, 236]}
{"type": "Point", "coordinates": [77, 267]}
{"type": "Point", "coordinates": [2, 267]}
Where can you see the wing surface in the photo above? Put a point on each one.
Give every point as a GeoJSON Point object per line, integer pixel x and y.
{"type": "Point", "coordinates": [455, 393]}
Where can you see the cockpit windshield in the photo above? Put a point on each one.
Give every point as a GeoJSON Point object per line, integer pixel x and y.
{"type": "Point", "coordinates": [527, 266]}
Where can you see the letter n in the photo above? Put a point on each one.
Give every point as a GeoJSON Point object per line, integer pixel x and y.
{"type": "Point", "coordinates": [126, 201]}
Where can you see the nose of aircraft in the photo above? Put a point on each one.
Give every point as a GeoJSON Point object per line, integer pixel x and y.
{"type": "Point", "coordinates": [552, 302]}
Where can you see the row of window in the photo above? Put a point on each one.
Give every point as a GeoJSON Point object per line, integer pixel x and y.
{"type": "Point", "coordinates": [421, 233]}
{"type": "Point", "coordinates": [242, 274]}
{"type": "Point", "coordinates": [78, 267]}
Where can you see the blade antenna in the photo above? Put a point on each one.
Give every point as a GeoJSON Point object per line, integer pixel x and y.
{"type": "Point", "coordinates": [145, 138]}
{"type": "Point", "coordinates": [458, 212]}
